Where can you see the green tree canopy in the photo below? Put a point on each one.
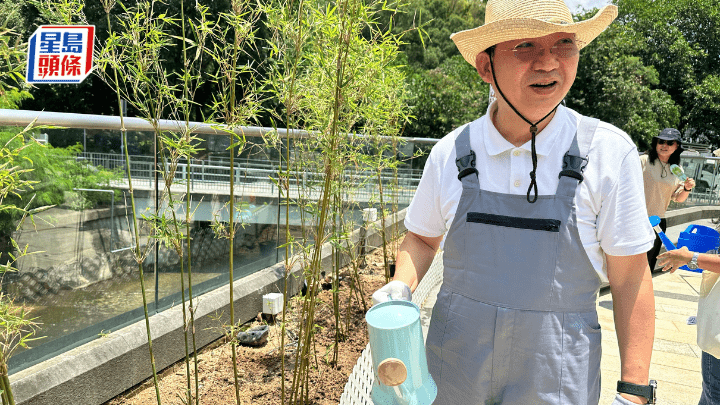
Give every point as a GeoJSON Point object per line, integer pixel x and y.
{"type": "Point", "coordinates": [681, 40]}
{"type": "Point", "coordinates": [428, 46]}
{"type": "Point", "coordinates": [615, 86]}
{"type": "Point", "coordinates": [445, 97]}
{"type": "Point", "coordinates": [704, 115]}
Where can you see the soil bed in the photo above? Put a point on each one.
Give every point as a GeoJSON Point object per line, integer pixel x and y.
{"type": "Point", "coordinates": [259, 367]}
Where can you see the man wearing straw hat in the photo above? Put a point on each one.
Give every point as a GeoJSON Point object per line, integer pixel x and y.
{"type": "Point", "coordinates": [515, 320]}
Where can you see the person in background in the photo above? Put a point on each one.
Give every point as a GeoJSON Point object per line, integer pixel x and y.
{"type": "Point", "coordinates": [661, 186]}
{"type": "Point", "coordinates": [536, 205]}
{"type": "Point", "coordinates": [710, 366]}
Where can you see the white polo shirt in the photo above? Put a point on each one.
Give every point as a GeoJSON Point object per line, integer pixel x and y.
{"type": "Point", "coordinates": [611, 213]}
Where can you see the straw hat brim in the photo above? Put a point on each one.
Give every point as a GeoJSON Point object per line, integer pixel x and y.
{"type": "Point", "coordinates": [473, 41]}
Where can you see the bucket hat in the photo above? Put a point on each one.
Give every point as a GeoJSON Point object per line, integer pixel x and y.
{"type": "Point", "coordinates": [507, 20]}
{"type": "Point", "coordinates": [670, 134]}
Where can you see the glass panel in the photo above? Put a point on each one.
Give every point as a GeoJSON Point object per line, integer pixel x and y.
{"type": "Point", "coordinates": [82, 279]}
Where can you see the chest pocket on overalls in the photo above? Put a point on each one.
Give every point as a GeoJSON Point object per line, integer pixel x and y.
{"type": "Point", "coordinates": [513, 251]}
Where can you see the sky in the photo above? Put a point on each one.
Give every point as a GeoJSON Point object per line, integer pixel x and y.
{"type": "Point", "coordinates": [576, 5]}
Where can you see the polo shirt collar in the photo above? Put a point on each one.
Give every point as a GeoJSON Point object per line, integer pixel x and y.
{"type": "Point", "coordinates": [496, 144]}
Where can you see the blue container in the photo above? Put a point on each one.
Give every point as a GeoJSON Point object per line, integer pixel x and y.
{"type": "Point", "coordinates": [699, 238]}
{"type": "Point", "coordinates": [398, 354]}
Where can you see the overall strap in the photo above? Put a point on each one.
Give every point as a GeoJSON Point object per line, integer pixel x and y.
{"type": "Point", "coordinates": [576, 158]}
{"type": "Point", "coordinates": [465, 161]}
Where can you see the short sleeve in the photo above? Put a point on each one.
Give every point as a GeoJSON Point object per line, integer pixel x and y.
{"type": "Point", "coordinates": [424, 216]}
{"type": "Point", "coordinates": [623, 228]}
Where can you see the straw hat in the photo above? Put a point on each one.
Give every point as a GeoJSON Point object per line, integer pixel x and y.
{"type": "Point", "coordinates": [507, 20]}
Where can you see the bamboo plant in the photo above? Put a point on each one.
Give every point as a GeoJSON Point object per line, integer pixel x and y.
{"type": "Point", "coordinates": [335, 70]}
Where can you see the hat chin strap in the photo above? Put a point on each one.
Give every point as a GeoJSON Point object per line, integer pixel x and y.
{"type": "Point", "coordinates": [533, 132]}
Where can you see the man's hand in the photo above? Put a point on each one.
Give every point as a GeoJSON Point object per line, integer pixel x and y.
{"type": "Point", "coordinates": [673, 259]}
{"type": "Point", "coordinates": [395, 290]}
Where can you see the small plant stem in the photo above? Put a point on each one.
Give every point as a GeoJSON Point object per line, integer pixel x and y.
{"type": "Point", "coordinates": [135, 225]}
{"type": "Point", "coordinates": [231, 213]}
{"type": "Point", "coordinates": [288, 267]}
{"type": "Point", "coordinates": [187, 224]}
{"type": "Point", "coordinates": [396, 196]}
{"type": "Point", "coordinates": [336, 273]}
{"type": "Point", "coordinates": [382, 225]}
{"type": "Point", "coordinates": [168, 174]}
{"type": "Point", "coordinates": [190, 298]}
{"type": "Point", "coordinates": [7, 395]}
{"type": "Point", "coordinates": [351, 283]}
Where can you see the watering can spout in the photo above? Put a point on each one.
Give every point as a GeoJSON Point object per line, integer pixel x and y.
{"type": "Point", "coordinates": [655, 223]}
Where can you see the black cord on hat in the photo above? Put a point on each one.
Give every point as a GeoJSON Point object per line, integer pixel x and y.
{"type": "Point", "coordinates": [533, 132]}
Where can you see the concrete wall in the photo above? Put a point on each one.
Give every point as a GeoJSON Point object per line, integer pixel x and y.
{"type": "Point", "coordinates": [73, 250]}
{"type": "Point", "coordinates": [686, 215]}
{"type": "Point", "coordinates": [106, 367]}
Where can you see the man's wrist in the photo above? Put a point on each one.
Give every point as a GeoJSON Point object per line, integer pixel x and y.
{"type": "Point", "coordinates": [638, 393]}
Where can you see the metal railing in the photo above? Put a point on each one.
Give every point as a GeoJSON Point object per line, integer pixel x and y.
{"type": "Point", "coordinates": [23, 118]}
{"type": "Point", "coordinates": [258, 176]}
{"type": "Point", "coordinates": [705, 170]}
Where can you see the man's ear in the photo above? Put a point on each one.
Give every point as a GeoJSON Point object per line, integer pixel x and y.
{"type": "Point", "coordinates": [482, 65]}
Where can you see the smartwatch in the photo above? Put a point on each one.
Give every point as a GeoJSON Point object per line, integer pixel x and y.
{"type": "Point", "coordinates": [647, 391]}
{"type": "Point", "coordinates": [693, 264]}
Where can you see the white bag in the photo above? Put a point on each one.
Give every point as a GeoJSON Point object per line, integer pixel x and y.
{"type": "Point", "coordinates": [708, 317]}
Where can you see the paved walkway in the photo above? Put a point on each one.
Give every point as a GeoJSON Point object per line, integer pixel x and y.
{"type": "Point", "coordinates": [676, 356]}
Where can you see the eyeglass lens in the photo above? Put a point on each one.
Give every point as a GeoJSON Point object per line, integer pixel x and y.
{"type": "Point", "coordinates": [664, 142]}
{"type": "Point", "coordinates": [529, 51]}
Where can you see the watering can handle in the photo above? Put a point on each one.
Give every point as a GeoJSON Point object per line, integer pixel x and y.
{"type": "Point", "coordinates": [393, 372]}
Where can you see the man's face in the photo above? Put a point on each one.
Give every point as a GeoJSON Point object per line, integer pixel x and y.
{"type": "Point", "coordinates": [534, 74]}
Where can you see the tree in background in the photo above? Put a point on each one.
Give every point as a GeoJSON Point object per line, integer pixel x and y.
{"type": "Point", "coordinates": [444, 98]}
{"type": "Point", "coordinates": [445, 91]}
{"type": "Point", "coordinates": [613, 84]}
{"type": "Point", "coordinates": [430, 45]}
{"type": "Point", "coordinates": [655, 66]}
{"type": "Point", "coordinates": [50, 174]}
{"type": "Point", "coordinates": [681, 40]}
{"type": "Point", "coordinates": [704, 114]}
{"type": "Point", "coordinates": [12, 60]}
{"type": "Point", "coordinates": [93, 96]}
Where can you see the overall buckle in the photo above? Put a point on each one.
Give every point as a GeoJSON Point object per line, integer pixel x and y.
{"type": "Point", "coordinates": [466, 165]}
{"type": "Point", "coordinates": [573, 166]}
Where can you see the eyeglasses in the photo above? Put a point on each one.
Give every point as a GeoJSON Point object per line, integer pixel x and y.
{"type": "Point", "coordinates": [664, 142]}
{"type": "Point", "coordinates": [529, 51]}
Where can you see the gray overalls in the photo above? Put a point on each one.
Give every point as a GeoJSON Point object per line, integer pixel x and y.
{"type": "Point", "coordinates": [515, 319]}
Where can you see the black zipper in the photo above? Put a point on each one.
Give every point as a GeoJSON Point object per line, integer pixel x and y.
{"type": "Point", "coordinates": [538, 224]}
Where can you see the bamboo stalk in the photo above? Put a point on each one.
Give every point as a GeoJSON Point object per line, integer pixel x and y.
{"type": "Point", "coordinates": [135, 225]}
{"type": "Point", "coordinates": [7, 395]}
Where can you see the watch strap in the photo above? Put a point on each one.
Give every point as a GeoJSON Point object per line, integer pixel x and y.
{"type": "Point", "coordinates": [693, 264]}
{"type": "Point", "coordinates": [646, 391]}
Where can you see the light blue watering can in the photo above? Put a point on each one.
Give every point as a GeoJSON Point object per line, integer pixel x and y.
{"type": "Point", "coordinates": [398, 355]}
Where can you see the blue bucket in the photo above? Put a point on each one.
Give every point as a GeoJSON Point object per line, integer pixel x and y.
{"type": "Point", "coordinates": [699, 238]}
